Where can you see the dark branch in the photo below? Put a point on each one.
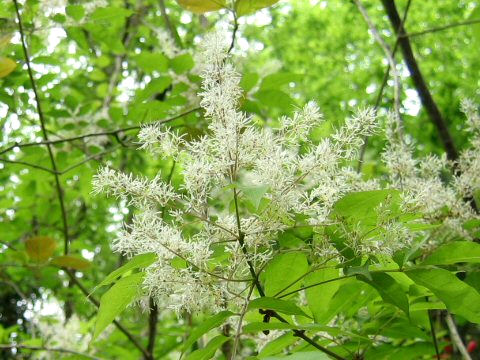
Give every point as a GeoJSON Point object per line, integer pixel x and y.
{"type": "Point", "coordinates": [152, 329]}
{"type": "Point", "coordinates": [44, 131]}
{"type": "Point", "coordinates": [234, 33]}
{"type": "Point", "coordinates": [424, 93]}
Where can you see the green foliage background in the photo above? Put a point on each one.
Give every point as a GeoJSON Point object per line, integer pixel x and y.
{"type": "Point", "coordinates": [104, 71]}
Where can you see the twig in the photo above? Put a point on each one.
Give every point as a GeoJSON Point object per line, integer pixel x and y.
{"type": "Point", "coordinates": [455, 336]}
{"type": "Point", "coordinates": [240, 321]}
{"type": "Point", "coordinates": [44, 348]}
{"type": "Point", "coordinates": [440, 28]}
{"type": "Point", "coordinates": [234, 33]}
{"type": "Point", "coordinates": [171, 29]}
{"type": "Point", "coordinates": [388, 53]}
{"type": "Point", "coordinates": [44, 130]}
{"type": "Point", "coordinates": [87, 159]}
{"type": "Point", "coordinates": [382, 87]}
{"type": "Point", "coordinates": [62, 172]}
{"type": "Point", "coordinates": [433, 333]}
{"type": "Point", "coordinates": [35, 166]}
{"type": "Point", "coordinates": [103, 133]}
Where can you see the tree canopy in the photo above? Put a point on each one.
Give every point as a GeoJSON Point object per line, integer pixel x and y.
{"type": "Point", "coordinates": [239, 179]}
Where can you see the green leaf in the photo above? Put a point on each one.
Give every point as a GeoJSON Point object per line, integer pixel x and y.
{"type": "Point", "coordinates": [337, 238]}
{"type": "Point", "coordinates": [156, 86]}
{"type": "Point", "coordinates": [77, 35]}
{"type": "Point", "coordinates": [390, 291]}
{"type": "Point", "coordinates": [40, 248]}
{"type": "Point", "coordinates": [110, 13]}
{"type": "Point", "coordinates": [275, 325]}
{"type": "Point", "coordinates": [202, 6]}
{"type": "Point", "coordinates": [362, 205]}
{"type": "Point", "coordinates": [427, 305]}
{"type": "Point", "coordinates": [77, 12]}
{"type": "Point", "coordinates": [288, 239]}
{"type": "Point", "coordinates": [475, 15]}
{"type": "Point", "coordinates": [182, 63]}
{"type": "Point", "coordinates": [455, 252]}
{"type": "Point", "coordinates": [206, 326]}
{"type": "Point", "coordinates": [282, 306]}
{"type": "Point", "coordinates": [358, 270]}
{"type": "Point", "coordinates": [209, 350]}
{"type": "Point", "coordinates": [245, 7]}
{"type": "Point", "coordinates": [137, 262]}
{"type": "Point", "coordinates": [275, 98]}
{"type": "Point", "coordinates": [71, 262]}
{"type": "Point", "coordinates": [460, 298]}
{"type": "Point", "coordinates": [249, 80]}
{"type": "Point", "coordinates": [284, 270]}
{"type": "Point", "coordinates": [473, 279]}
{"type": "Point", "coordinates": [116, 299]}
{"type": "Point", "coordinates": [254, 193]}
{"type": "Point", "coordinates": [278, 345]}
{"type": "Point", "coordinates": [149, 62]}
{"type": "Point", "coordinates": [318, 297]}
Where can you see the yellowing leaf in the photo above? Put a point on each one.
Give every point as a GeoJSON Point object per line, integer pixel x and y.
{"type": "Point", "coordinates": [72, 262]}
{"type": "Point", "coordinates": [40, 248]}
{"type": "Point", "coordinates": [202, 6]}
{"type": "Point", "coordinates": [5, 40]}
{"type": "Point", "coordinates": [245, 7]}
{"type": "Point", "coordinates": [6, 66]}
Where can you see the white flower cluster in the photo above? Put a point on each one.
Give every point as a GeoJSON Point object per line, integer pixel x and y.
{"type": "Point", "coordinates": [56, 332]}
{"type": "Point", "coordinates": [423, 181]}
{"type": "Point", "coordinates": [243, 184]}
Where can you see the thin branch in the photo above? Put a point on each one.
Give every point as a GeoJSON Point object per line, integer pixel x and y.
{"type": "Point", "coordinates": [455, 336]}
{"type": "Point", "coordinates": [87, 159]}
{"type": "Point", "coordinates": [433, 333]}
{"type": "Point", "coordinates": [44, 130]}
{"type": "Point", "coordinates": [382, 87]}
{"type": "Point", "coordinates": [103, 133]}
{"type": "Point", "coordinates": [35, 166]}
{"type": "Point", "coordinates": [440, 28]}
{"type": "Point", "coordinates": [388, 53]}
{"type": "Point", "coordinates": [339, 278]}
{"type": "Point", "coordinates": [424, 93]}
{"type": "Point", "coordinates": [240, 321]}
{"type": "Point", "coordinates": [49, 349]}
{"type": "Point", "coordinates": [171, 29]}
{"type": "Point", "coordinates": [62, 172]}
{"type": "Point", "coordinates": [234, 32]}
